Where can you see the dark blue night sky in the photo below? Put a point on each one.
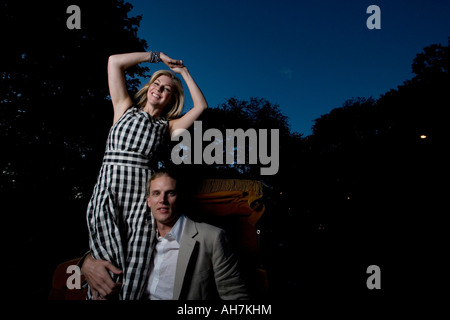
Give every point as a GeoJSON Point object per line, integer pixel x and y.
{"type": "Point", "coordinates": [307, 56]}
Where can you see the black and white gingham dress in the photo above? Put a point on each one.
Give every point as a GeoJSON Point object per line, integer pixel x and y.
{"type": "Point", "coordinates": [118, 218]}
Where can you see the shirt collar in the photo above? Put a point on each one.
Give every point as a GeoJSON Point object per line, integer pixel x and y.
{"type": "Point", "coordinates": [177, 229]}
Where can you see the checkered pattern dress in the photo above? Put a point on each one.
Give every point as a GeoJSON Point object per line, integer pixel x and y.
{"type": "Point", "coordinates": [118, 218]}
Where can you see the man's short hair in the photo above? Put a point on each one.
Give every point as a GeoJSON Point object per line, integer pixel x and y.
{"type": "Point", "coordinates": [158, 174]}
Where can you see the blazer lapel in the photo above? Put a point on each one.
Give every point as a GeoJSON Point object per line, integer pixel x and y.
{"type": "Point", "coordinates": [187, 247]}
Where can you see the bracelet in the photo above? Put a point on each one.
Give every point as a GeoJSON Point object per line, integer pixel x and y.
{"type": "Point", "coordinates": [154, 57]}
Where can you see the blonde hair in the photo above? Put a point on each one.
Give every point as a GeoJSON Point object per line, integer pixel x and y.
{"type": "Point", "coordinates": [174, 108]}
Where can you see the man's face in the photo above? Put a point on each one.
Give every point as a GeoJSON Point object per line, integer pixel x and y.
{"type": "Point", "coordinates": [162, 200]}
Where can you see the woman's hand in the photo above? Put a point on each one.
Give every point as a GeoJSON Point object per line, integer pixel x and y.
{"type": "Point", "coordinates": [176, 66]}
{"type": "Point", "coordinates": [171, 63]}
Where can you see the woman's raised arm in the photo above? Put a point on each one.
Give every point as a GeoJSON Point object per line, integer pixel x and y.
{"type": "Point", "coordinates": [117, 64]}
{"type": "Point", "coordinates": [198, 98]}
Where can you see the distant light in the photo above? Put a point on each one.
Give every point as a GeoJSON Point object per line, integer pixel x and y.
{"type": "Point", "coordinates": [423, 136]}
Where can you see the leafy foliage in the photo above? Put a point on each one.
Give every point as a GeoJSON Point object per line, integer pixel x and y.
{"type": "Point", "coordinates": [364, 171]}
{"type": "Point", "coordinates": [55, 114]}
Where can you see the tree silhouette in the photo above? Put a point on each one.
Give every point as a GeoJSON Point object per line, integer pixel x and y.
{"type": "Point", "coordinates": [362, 187]}
{"type": "Point", "coordinates": [431, 63]}
{"type": "Point", "coordinates": [253, 114]}
{"type": "Point", "coordinates": [374, 187]}
{"type": "Point", "coordinates": [55, 114]}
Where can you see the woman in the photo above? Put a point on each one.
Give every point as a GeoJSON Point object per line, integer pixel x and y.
{"type": "Point", "coordinates": [117, 214]}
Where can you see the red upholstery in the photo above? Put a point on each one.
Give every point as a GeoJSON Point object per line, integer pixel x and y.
{"type": "Point", "coordinates": [59, 290]}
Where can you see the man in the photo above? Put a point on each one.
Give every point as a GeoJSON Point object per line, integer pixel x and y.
{"type": "Point", "coordinates": [190, 260]}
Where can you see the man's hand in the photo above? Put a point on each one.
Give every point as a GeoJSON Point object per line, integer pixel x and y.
{"type": "Point", "coordinates": [99, 279]}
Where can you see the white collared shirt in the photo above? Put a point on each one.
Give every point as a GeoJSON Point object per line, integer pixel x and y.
{"type": "Point", "coordinates": [164, 263]}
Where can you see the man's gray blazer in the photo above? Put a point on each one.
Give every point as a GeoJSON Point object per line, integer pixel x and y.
{"type": "Point", "coordinates": [206, 267]}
